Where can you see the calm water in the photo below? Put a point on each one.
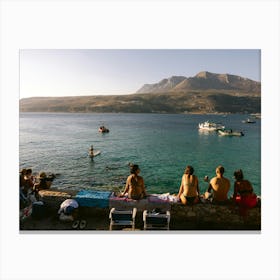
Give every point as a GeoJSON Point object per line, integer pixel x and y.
{"type": "Point", "coordinates": [161, 144]}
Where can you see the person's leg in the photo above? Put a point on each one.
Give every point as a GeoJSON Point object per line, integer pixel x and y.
{"type": "Point", "coordinates": [183, 199]}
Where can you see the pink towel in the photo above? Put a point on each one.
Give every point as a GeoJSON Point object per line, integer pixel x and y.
{"type": "Point", "coordinates": [156, 199]}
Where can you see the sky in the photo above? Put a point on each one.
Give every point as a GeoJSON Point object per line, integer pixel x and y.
{"type": "Point", "coordinates": [71, 72]}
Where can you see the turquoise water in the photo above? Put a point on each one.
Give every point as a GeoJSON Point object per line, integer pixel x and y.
{"type": "Point", "coordinates": [162, 145]}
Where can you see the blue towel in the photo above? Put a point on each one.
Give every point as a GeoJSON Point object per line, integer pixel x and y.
{"type": "Point", "coordinates": [91, 198]}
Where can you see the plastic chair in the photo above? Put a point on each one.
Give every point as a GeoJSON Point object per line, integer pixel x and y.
{"type": "Point", "coordinates": [122, 218]}
{"type": "Point", "coordinates": [154, 220]}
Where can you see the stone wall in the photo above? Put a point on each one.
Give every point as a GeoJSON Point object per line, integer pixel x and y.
{"type": "Point", "coordinates": [202, 216]}
{"type": "Point", "coordinates": [214, 217]}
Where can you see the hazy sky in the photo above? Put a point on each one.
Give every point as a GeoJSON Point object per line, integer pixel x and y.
{"type": "Point", "coordinates": [93, 72]}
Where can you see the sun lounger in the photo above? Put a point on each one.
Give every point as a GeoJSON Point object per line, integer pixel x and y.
{"type": "Point", "coordinates": [156, 220]}
{"type": "Point", "coordinates": [122, 218]}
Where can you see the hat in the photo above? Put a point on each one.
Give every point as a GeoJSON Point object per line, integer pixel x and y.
{"type": "Point", "coordinates": [42, 175]}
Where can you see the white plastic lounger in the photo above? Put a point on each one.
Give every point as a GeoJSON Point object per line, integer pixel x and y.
{"type": "Point", "coordinates": [122, 218]}
{"type": "Point", "coordinates": [153, 220]}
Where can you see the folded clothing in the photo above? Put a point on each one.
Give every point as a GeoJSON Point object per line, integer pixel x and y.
{"type": "Point", "coordinates": [67, 206]}
{"type": "Point", "coordinates": [159, 198]}
{"type": "Point", "coordinates": [91, 198]}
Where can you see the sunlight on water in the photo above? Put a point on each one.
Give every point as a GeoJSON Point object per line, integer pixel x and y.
{"type": "Point", "coordinates": [162, 144]}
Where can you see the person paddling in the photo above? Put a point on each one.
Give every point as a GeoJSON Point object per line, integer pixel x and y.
{"type": "Point", "coordinates": [91, 153]}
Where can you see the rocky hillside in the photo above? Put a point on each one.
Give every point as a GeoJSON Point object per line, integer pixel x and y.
{"type": "Point", "coordinates": [204, 93]}
{"type": "Point", "coordinates": [203, 81]}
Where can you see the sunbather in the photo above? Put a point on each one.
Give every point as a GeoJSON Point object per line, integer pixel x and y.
{"type": "Point", "coordinates": [189, 190]}
{"type": "Point", "coordinates": [243, 191]}
{"type": "Point", "coordinates": [134, 187]}
{"type": "Point", "coordinates": [220, 186]}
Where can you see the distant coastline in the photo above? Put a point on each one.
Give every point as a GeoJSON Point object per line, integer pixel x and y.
{"type": "Point", "coordinates": [205, 93]}
{"type": "Point", "coordinates": [178, 103]}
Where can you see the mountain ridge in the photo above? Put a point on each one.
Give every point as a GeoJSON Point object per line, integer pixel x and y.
{"type": "Point", "coordinates": [201, 81]}
{"type": "Point", "coordinates": [204, 93]}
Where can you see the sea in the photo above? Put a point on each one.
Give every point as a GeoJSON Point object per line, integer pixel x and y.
{"type": "Point", "coordinates": [161, 144]}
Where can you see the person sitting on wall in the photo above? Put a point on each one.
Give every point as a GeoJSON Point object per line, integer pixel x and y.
{"type": "Point", "coordinates": [220, 186]}
{"type": "Point", "coordinates": [21, 177]}
{"type": "Point", "coordinates": [134, 187]}
{"type": "Point", "coordinates": [29, 181]}
{"type": "Point", "coordinates": [189, 190]}
{"type": "Point", "coordinates": [243, 192]}
{"type": "Point", "coordinates": [44, 182]}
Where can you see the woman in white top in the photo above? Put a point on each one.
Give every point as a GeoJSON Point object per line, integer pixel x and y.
{"type": "Point", "coordinates": [189, 190]}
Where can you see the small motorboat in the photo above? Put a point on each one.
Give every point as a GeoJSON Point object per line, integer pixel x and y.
{"type": "Point", "coordinates": [230, 132]}
{"type": "Point", "coordinates": [248, 121]}
{"type": "Point", "coordinates": [210, 126]}
{"type": "Point", "coordinates": [103, 129]}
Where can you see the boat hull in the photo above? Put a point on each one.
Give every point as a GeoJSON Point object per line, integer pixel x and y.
{"type": "Point", "coordinates": [208, 126]}
{"type": "Point", "coordinates": [228, 133]}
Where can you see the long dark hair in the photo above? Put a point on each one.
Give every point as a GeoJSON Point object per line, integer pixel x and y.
{"type": "Point", "coordinates": [189, 171]}
{"type": "Point", "coordinates": [133, 168]}
{"type": "Point", "coordinates": [238, 174]}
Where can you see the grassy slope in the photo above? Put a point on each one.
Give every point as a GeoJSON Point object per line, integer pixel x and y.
{"type": "Point", "coordinates": [193, 102]}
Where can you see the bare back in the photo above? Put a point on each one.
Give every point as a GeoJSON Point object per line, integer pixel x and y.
{"type": "Point", "coordinates": [135, 185]}
{"type": "Point", "coordinates": [190, 185]}
{"type": "Point", "coordinates": [220, 186]}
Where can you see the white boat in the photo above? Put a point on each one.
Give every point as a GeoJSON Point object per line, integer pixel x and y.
{"type": "Point", "coordinates": [230, 132]}
{"type": "Point", "coordinates": [210, 126]}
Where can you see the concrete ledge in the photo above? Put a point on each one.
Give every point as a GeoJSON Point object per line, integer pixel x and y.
{"type": "Point", "coordinates": [202, 216]}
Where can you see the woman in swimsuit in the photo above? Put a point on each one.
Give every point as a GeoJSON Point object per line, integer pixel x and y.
{"type": "Point", "coordinates": [189, 190]}
{"type": "Point", "coordinates": [135, 184]}
{"type": "Point", "coordinates": [243, 191]}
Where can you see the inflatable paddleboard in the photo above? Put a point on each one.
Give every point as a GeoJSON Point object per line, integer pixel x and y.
{"type": "Point", "coordinates": [95, 153]}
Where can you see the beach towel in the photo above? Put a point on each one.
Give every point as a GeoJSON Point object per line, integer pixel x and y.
{"type": "Point", "coordinates": [159, 198]}
{"type": "Point", "coordinates": [90, 198]}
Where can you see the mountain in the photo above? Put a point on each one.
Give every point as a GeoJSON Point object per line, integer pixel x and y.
{"type": "Point", "coordinates": [203, 81]}
{"type": "Point", "coordinates": [164, 85]}
{"type": "Point", "coordinates": [204, 93]}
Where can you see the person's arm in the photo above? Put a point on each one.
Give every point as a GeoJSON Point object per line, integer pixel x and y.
{"type": "Point", "coordinates": [36, 186]}
{"type": "Point", "coordinates": [198, 192]}
{"type": "Point", "coordinates": [235, 191]}
{"type": "Point", "coordinates": [144, 189]}
{"type": "Point", "coordinates": [126, 187]}
{"type": "Point", "coordinates": [181, 187]}
{"type": "Point", "coordinates": [210, 187]}
{"type": "Point", "coordinates": [250, 190]}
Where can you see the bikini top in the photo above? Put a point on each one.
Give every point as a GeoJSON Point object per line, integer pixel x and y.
{"type": "Point", "coordinates": [189, 183]}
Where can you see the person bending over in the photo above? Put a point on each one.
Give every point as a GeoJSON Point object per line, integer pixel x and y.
{"type": "Point", "coordinates": [134, 187]}
{"type": "Point", "coordinates": [189, 190]}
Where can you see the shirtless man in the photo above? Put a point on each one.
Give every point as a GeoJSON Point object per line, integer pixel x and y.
{"type": "Point", "coordinates": [220, 186]}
